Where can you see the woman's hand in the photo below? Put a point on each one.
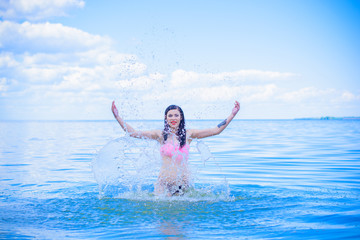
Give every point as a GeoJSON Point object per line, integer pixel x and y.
{"type": "Point", "coordinates": [114, 110]}
{"type": "Point", "coordinates": [236, 108]}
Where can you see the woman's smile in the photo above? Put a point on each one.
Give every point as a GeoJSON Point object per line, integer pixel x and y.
{"type": "Point", "coordinates": [173, 118]}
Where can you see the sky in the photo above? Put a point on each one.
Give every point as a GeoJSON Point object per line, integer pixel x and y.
{"type": "Point", "coordinates": [69, 59]}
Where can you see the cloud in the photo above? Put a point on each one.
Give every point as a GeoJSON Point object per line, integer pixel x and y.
{"type": "Point", "coordinates": [121, 71]}
{"type": "Point", "coordinates": [305, 94]}
{"type": "Point", "coordinates": [185, 78]}
{"type": "Point", "coordinates": [44, 65]}
{"type": "Point", "coordinates": [36, 9]}
{"type": "Point", "coordinates": [245, 93]}
{"type": "Point", "coordinates": [3, 85]}
{"type": "Point", "coordinates": [7, 60]}
{"type": "Point", "coordinates": [347, 96]}
{"type": "Point", "coordinates": [47, 37]}
{"type": "Point", "coordinates": [52, 71]}
{"type": "Point", "coordinates": [60, 55]}
{"type": "Point", "coordinates": [211, 94]}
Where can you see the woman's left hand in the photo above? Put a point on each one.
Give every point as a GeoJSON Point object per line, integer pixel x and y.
{"type": "Point", "coordinates": [236, 108]}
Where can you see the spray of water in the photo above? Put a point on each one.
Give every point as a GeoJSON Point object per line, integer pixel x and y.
{"type": "Point", "coordinates": [128, 168]}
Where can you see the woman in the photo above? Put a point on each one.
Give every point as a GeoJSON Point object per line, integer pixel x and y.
{"type": "Point", "coordinates": [175, 143]}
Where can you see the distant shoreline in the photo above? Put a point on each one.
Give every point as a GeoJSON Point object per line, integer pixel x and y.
{"type": "Point", "coordinates": [330, 118]}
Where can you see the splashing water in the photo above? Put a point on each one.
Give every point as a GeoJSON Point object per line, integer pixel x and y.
{"type": "Point", "coordinates": [128, 168]}
{"type": "Point", "coordinates": [126, 165]}
{"type": "Point", "coordinates": [205, 152]}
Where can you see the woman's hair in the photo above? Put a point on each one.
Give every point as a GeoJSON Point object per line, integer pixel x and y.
{"type": "Point", "coordinates": [181, 133]}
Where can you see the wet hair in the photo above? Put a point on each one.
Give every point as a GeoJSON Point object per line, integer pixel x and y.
{"type": "Point", "coordinates": [181, 133]}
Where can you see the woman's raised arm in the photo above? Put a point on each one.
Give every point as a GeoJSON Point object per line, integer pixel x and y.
{"type": "Point", "coordinates": [154, 134]}
{"type": "Point", "coordinates": [203, 133]}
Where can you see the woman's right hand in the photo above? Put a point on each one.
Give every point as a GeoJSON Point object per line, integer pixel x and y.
{"type": "Point", "coordinates": [114, 110]}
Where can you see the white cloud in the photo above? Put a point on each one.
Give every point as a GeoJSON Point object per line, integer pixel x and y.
{"type": "Point", "coordinates": [221, 93]}
{"type": "Point", "coordinates": [7, 60]}
{"type": "Point", "coordinates": [211, 94]}
{"type": "Point", "coordinates": [75, 74]}
{"type": "Point", "coordinates": [347, 96]}
{"type": "Point", "coordinates": [36, 9]}
{"type": "Point", "coordinates": [141, 83]}
{"type": "Point", "coordinates": [185, 78]}
{"type": "Point", "coordinates": [3, 85]}
{"type": "Point", "coordinates": [67, 73]}
{"type": "Point", "coordinates": [41, 53]}
{"type": "Point", "coordinates": [47, 37]}
{"type": "Point", "coordinates": [245, 93]}
{"type": "Point", "coordinates": [259, 93]}
{"type": "Point", "coordinates": [307, 93]}
{"type": "Point", "coordinates": [51, 65]}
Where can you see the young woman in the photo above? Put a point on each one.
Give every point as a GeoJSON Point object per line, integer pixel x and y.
{"type": "Point", "coordinates": [175, 141]}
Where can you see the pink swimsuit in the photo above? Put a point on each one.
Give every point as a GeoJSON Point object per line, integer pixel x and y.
{"type": "Point", "coordinates": [175, 152]}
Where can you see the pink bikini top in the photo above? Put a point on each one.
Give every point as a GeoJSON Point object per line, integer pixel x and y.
{"type": "Point", "coordinates": [175, 152]}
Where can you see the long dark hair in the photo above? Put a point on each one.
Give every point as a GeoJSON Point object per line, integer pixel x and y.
{"type": "Point", "coordinates": [181, 133]}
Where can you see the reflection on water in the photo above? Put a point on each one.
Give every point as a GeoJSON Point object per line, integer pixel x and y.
{"type": "Point", "coordinates": [286, 179]}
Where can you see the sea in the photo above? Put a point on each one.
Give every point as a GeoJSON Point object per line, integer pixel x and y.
{"type": "Point", "coordinates": [258, 179]}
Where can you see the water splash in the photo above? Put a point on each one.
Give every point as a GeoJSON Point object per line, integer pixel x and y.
{"type": "Point", "coordinates": [128, 168]}
{"type": "Point", "coordinates": [204, 152]}
{"type": "Point", "coordinates": [125, 165]}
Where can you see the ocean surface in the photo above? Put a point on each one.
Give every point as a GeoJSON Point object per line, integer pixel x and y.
{"type": "Point", "coordinates": [259, 179]}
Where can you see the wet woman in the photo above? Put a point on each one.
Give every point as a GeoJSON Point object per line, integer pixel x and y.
{"type": "Point", "coordinates": [174, 139]}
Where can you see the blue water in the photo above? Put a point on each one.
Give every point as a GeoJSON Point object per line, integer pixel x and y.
{"type": "Point", "coordinates": [284, 179]}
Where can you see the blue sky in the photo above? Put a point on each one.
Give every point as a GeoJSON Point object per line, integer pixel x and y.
{"type": "Point", "coordinates": [69, 59]}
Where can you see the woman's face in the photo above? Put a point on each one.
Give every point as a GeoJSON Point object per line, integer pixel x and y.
{"type": "Point", "coordinates": [173, 118]}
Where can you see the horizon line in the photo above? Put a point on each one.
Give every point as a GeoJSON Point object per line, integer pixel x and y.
{"type": "Point", "coordinates": [192, 119]}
